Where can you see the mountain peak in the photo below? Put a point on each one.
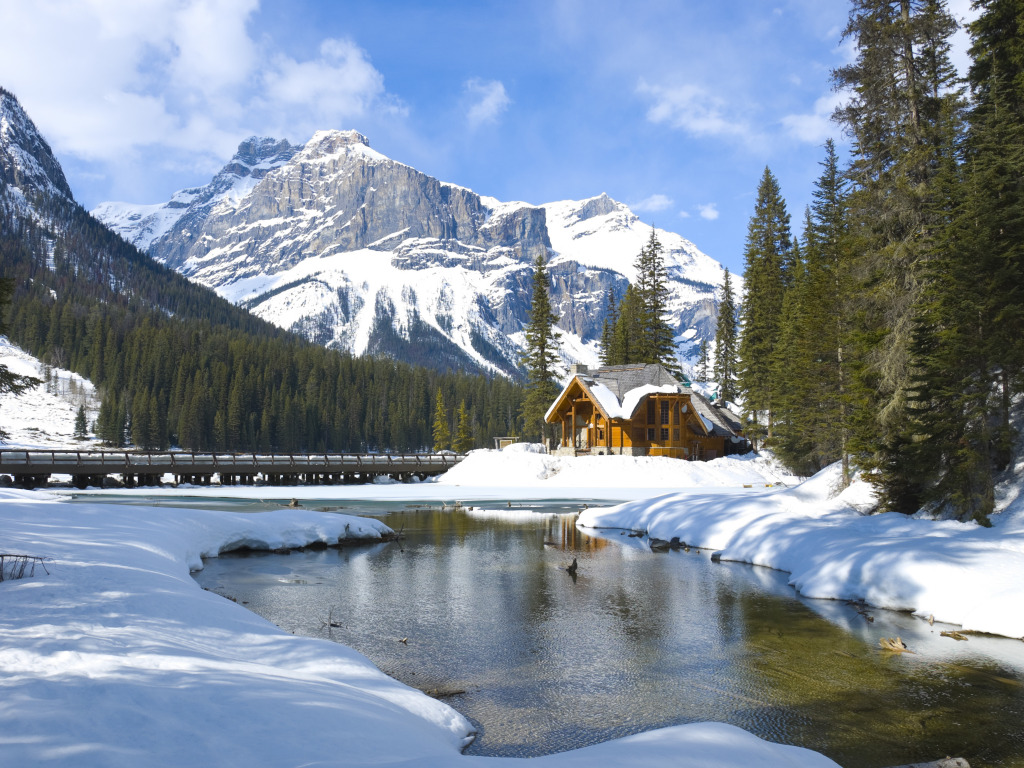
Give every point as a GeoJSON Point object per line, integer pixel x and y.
{"type": "Point", "coordinates": [601, 205]}
{"type": "Point", "coordinates": [26, 160]}
{"type": "Point", "coordinates": [330, 143]}
{"type": "Point", "coordinates": [263, 149]}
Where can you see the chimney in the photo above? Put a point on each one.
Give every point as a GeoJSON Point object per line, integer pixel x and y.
{"type": "Point", "coordinates": [578, 369]}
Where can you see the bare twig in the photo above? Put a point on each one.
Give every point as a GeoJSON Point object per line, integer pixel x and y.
{"type": "Point", "coordinates": [14, 566]}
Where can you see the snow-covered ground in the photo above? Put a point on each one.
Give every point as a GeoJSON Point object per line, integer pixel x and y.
{"type": "Point", "coordinates": [114, 656]}
{"type": "Point", "coordinates": [44, 416]}
{"type": "Point", "coordinates": [958, 573]}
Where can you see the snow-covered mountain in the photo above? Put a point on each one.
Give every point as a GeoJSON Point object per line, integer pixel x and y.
{"type": "Point", "coordinates": [360, 252]}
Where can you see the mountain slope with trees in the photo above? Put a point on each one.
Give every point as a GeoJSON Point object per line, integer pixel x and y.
{"type": "Point", "coordinates": [179, 366]}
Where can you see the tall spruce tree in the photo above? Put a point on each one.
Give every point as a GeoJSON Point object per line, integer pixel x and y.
{"type": "Point", "coordinates": [967, 348]}
{"type": "Point", "coordinates": [703, 361]}
{"type": "Point", "coordinates": [768, 258]}
{"type": "Point", "coordinates": [81, 424]}
{"type": "Point", "coordinates": [463, 432]}
{"type": "Point", "coordinates": [442, 433]}
{"type": "Point", "coordinates": [541, 354]}
{"type": "Point", "coordinates": [656, 343]}
{"type": "Point", "coordinates": [611, 318]}
{"type": "Point", "coordinates": [626, 335]}
{"type": "Point", "coordinates": [903, 118]}
{"type": "Point", "coordinates": [812, 416]}
{"type": "Point", "coordinates": [726, 343]}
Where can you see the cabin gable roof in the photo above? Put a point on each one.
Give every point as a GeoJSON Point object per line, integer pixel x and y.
{"type": "Point", "coordinates": [617, 392]}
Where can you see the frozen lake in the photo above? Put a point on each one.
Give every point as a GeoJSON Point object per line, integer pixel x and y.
{"type": "Point", "coordinates": [543, 663]}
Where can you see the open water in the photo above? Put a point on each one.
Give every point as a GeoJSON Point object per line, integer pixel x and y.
{"type": "Point", "coordinates": [475, 607]}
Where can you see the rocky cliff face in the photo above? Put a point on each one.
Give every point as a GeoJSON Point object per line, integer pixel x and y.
{"type": "Point", "coordinates": [27, 165]}
{"type": "Point", "coordinates": [361, 252]}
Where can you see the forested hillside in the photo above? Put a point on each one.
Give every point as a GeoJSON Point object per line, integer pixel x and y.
{"type": "Point", "coordinates": [179, 366]}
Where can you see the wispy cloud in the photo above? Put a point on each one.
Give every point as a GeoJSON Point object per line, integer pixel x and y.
{"type": "Point", "coordinates": [692, 109]}
{"type": "Point", "coordinates": [489, 101]}
{"type": "Point", "coordinates": [708, 211]}
{"type": "Point", "coordinates": [815, 126]}
{"type": "Point", "coordinates": [652, 204]}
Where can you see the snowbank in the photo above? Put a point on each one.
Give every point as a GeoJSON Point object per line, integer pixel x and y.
{"type": "Point", "coordinates": [116, 657]}
{"type": "Point", "coordinates": [515, 467]}
{"type": "Point", "coordinates": [959, 573]}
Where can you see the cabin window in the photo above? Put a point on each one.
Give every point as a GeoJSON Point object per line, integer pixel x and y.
{"type": "Point", "coordinates": [600, 433]}
{"type": "Point", "coordinates": [664, 412]}
{"type": "Point", "coordinates": [675, 413]}
{"type": "Point", "coordinates": [650, 411]}
{"type": "Point", "coordinates": [675, 434]}
{"type": "Point", "coordinates": [650, 435]}
{"type": "Point", "coordinates": [664, 434]}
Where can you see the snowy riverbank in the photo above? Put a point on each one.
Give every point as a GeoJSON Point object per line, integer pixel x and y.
{"type": "Point", "coordinates": [116, 657]}
{"type": "Point", "coordinates": [958, 573]}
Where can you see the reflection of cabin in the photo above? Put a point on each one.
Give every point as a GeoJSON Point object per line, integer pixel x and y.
{"type": "Point", "coordinates": [642, 410]}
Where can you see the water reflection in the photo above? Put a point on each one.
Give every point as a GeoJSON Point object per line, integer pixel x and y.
{"type": "Point", "coordinates": [475, 606]}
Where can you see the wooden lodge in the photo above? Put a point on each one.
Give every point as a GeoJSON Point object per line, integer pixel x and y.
{"type": "Point", "coordinates": [642, 410]}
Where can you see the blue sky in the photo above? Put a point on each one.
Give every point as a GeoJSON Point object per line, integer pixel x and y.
{"type": "Point", "coordinates": [673, 107]}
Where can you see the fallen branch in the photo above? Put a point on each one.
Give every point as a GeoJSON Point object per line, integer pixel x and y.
{"type": "Point", "coordinates": [15, 566]}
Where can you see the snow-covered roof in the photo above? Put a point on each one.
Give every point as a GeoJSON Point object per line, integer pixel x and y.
{"type": "Point", "coordinates": [618, 390]}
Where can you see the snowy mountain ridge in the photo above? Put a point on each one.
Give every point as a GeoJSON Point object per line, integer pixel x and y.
{"type": "Point", "coordinates": [360, 252]}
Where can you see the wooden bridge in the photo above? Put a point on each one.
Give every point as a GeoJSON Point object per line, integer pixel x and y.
{"type": "Point", "coordinates": [33, 468]}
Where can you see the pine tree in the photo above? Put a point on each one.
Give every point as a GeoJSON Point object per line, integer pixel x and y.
{"type": "Point", "coordinates": [904, 120]}
{"type": "Point", "coordinates": [540, 356]}
{"type": "Point", "coordinates": [81, 424]}
{"type": "Point", "coordinates": [442, 434]}
{"type": "Point", "coordinates": [656, 343]}
{"type": "Point", "coordinates": [811, 412]}
{"type": "Point", "coordinates": [611, 318]}
{"type": "Point", "coordinates": [768, 258]}
{"type": "Point", "coordinates": [703, 361]}
{"type": "Point", "coordinates": [726, 343]}
{"type": "Point", "coordinates": [626, 335]}
{"type": "Point", "coordinates": [463, 432]}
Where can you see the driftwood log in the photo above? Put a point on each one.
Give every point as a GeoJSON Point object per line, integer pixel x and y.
{"type": "Point", "coordinates": [894, 644]}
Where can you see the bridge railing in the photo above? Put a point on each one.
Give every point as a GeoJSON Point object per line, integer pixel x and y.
{"type": "Point", "coordinates": [22, 461]}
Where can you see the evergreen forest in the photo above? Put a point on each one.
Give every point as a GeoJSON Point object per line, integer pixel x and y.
{"type": "Point", "coordinates": [890, 334]}
{"type": "Point", "coordinates": [178, 366]}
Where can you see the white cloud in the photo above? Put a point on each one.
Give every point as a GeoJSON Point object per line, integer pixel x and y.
{"type": "Point", "coordinates": [489, 101]}
{"type": "Point", "coordinates": [684, 214]}
{"type": "Point", "coordinates": [692, 109]}
{"type": "Point", "coordinates": [108, 79]}
{"type": "Point", "coordinates": [816, 126]}
{"type": "Point", "coordinates": [652, 204]}
{"type": "Point", "coordinates": [340, 81]}
{"type": "Point", "coordinates": [708, 211]}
